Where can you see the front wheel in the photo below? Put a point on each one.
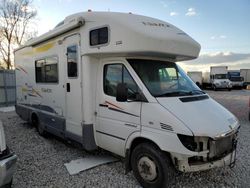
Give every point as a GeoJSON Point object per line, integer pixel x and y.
{"type": "Point", "coordinates": [214, 87]}
{"type": "Point", "coordinates": [151, 167]}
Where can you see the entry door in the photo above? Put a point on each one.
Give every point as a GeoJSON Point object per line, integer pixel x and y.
{"type": "Point", "coordinates": [116, 121]}
{"type": "Point", "coordinates": [73, 86]}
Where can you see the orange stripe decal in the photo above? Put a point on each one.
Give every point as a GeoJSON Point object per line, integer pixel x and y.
{"type": "Point", "coordinates": [109, 103]}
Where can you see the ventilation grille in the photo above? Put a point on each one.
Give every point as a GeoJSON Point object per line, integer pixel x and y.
{"type": "Point", "coordinates": [166, 127]}
{"type": "Point", "coordinates": [196, 98]}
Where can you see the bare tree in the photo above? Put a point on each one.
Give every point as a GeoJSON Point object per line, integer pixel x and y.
{"type": "Point", "coordinates": [15, 18]}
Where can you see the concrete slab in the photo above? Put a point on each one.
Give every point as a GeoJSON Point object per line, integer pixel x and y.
{"type": "Point", "coordinates": [88, 162]}
{"type": "Point", "coordinates": [7, 109]}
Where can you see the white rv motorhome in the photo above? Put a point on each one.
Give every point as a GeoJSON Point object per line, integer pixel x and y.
{"type": "Point", "coordinates": [110, 80]}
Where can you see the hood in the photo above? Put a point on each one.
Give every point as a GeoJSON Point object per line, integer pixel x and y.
{"type": "Point", "coordinates": [203, 117]}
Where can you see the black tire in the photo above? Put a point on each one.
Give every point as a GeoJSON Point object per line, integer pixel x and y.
{"type": "Point", "coordinates": [163, 172]}
{"type": "Point", "coordinates": [214, 88]}
{"type": "Point", "coordinates": [40, 128]}
{"type": "Point", "coordinates": [9, 185]}
{"type": "Point", "coordinates": [229, 89]}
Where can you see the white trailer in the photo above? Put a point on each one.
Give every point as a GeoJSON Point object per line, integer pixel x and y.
{"type": "Point", "coordinates": [110, 80]}
{"type": "Point", "coordinates": [245, 73]}
{"type": "Point", "coordinates": [196, 77]}
{"type": "Point", "coordinates": [219, 78]}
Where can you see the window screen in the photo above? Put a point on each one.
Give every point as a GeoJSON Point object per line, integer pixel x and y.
{"type": "Point", "coordinates": [72, 61]}
{"type": "Point", "coordinates": [99, 36]}
{"type": "Point", "coordinates": [46, 70]}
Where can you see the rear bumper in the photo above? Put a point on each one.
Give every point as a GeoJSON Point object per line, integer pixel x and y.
{"type": "Point", "coordinates": [7, 168]}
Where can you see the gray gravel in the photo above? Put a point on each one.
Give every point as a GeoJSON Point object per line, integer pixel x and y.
{"type": "Point", "coordinates": [41, 160]}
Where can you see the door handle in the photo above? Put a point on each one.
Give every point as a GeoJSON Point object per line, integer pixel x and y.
{"type": "Point", "coordinates": [68, 87]}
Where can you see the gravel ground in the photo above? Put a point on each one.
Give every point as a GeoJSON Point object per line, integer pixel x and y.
{"type": "Point", "coordinates": [41, 160]}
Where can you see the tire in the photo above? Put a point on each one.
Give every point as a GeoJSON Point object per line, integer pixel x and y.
{"type": "Point", "coordinates": [157, 167]}
{"type": "Point", "coordinates": [229, 89]}
{"type": "Point", "coordinates": [214, 88]}
{"type": "Point", "coordinates": [9, 185]}
{"type": "Point", "coordinates": [40, 128]}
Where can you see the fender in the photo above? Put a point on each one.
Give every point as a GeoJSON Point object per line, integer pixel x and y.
{"type": "Point", "coordinates": [163, 139]}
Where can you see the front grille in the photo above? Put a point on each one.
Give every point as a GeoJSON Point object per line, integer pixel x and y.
{"type": "Point", "coordinates": [221, 147]}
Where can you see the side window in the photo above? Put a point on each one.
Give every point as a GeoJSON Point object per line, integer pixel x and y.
{"type": "Point", "coordinates": [115, 74]}
{"type": "Point", "coordinates": [72, 61]}
{"type": "Point", "coordinates": [98, 36]}
{"type": "Point", "coordinates": [40, 71]}
{"type": "Point", "coordinates": [112, 77]}
{"type": "Point", "coordinates": [46, 70]}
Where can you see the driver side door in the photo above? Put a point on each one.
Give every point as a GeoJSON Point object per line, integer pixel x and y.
{"type": "Point", "coordinates": [115, 121]}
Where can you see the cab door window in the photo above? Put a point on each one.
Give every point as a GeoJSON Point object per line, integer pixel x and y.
{"type": "Point", "coordinates": [115, 74]}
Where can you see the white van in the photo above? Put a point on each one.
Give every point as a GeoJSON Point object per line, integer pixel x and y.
{"type": "Point", "coordinates": [110, 80]}
{"type": "Point", "coordinates": [7, 161]}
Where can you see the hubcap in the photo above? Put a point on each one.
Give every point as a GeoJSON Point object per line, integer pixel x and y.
{"type": "Point", "coordinates": [147, 169]}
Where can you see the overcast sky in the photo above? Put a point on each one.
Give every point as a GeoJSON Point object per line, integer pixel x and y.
{"type": "Point", "coordinates": [222, 27]}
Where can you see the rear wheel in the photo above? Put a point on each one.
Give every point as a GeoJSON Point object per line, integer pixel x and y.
{"type": "Point", "coordinates": [9, 185]}
{"type": "Point", "coordinates": [151, 167]}
{"type": "Point", "coordinates": [40, 128]}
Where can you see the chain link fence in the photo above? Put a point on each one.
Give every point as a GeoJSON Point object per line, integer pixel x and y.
{"type": "Point", "coordinates": [7, 88]}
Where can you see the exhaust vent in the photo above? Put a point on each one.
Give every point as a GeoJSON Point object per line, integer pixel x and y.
{"type": "Point", "coordinates": [166, 127]}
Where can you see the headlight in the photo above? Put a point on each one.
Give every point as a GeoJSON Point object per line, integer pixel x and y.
{"type": "Point", "coordinates": [188, 142]}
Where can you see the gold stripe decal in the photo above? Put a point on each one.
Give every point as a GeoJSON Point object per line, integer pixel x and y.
{"type": "Point", "coordinates": [45, 47]}
{"type": "Point", "coordinates": [40, 49]}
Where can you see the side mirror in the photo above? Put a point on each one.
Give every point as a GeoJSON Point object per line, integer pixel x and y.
{"type": "Point", "coordinates": [121, 92]}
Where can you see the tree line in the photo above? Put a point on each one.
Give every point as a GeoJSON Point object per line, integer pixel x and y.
{"type": "Point", "coordinates": [16, 19]}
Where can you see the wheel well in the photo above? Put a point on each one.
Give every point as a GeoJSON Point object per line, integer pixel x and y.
{"type": "Point", "coordinates": [135, 143]}
{"type": "Point", "coordinates": [34, 119]}
{"type": "Point", "coordinates": [140, 140]}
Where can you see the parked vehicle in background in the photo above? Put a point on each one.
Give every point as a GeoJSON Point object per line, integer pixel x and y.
{"type": "Point", "coordinates": [245, 73]}
{"type": "Point", "coordinates": [235, 78]}
{"type": "Point", "coordinates": [7, 161]}
{"type": "Point", "coordinates": [110, 80]}
{"type": "Point", "coordinates": [196, 76]}
{"type": "Point", "coordinates": [219, 78]}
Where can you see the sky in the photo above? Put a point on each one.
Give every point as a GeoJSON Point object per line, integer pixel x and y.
{"type": "Point", "coordinates": [222, 27]}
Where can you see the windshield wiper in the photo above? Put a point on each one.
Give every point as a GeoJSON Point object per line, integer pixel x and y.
{"type": "Point", "coordinates": [180, 93]}
{"type": "Point", "coordinates": [196, 91]}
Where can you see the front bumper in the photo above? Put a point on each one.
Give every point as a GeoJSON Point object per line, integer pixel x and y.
{"type": "Point", "coordinates": [222, 86]}
{"type": "Point", "coordinates": [228, 160]}
{"type": "Point", "coordinates": [211, 153]}
{"type": "Point", "coordinates": [7, 168]}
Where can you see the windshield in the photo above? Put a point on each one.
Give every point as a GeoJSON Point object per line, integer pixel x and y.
{"type": "Point", "coordinates": [220, 76]}
{"type": "Point", "coordinates": [163, 78]}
